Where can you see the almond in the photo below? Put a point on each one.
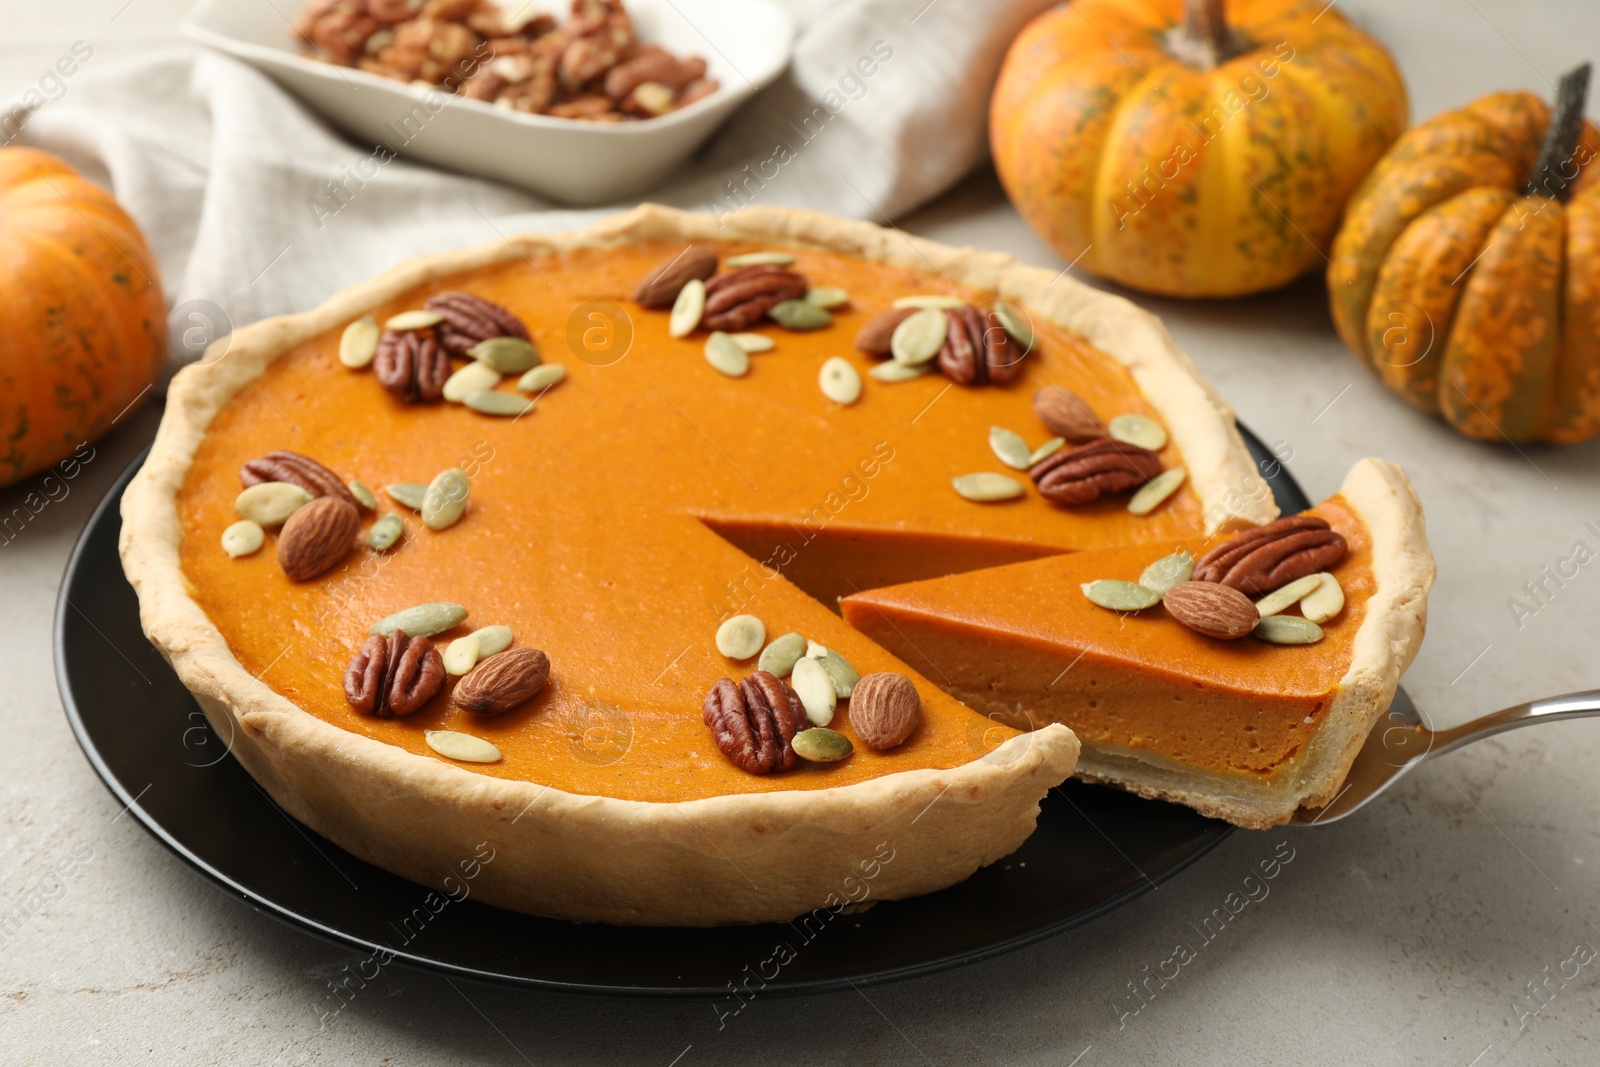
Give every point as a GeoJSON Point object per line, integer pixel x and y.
{"type": "Point", "coordinates": [317, 537]}
{"type": "Point", "coordinates": [1068, 414]}
{"type": "Point", "coordinates": [875, 335]}
{"type": "Point", "coordinates": [885, 708]}
{"type": "Point", "coordinates": [1212, 609]}
{"type": "Point", "coordinates": [660, 287]}
{"type": "Point", "coordinates": [504, 680]}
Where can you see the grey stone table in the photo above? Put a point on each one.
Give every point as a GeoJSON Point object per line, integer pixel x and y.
{"type": "Point", "coordinates": [1454, 922]}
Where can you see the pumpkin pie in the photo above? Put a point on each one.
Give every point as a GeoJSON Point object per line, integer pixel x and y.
{"type": "Point", "coordinates": [1246, 730]}
{"type": "Point", "coordinates": [614, 527]}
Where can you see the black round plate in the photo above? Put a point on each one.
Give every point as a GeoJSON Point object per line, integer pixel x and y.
{"type": "Point", "coordinates": [1095, 849]}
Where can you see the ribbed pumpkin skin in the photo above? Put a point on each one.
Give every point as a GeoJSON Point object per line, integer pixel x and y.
{"type": "Point", "coordinates": [84, 328]}
{"type": "Point", "coordinates": [1468, 298]}
{"type": "Point", "coordinates": [1189, 182]}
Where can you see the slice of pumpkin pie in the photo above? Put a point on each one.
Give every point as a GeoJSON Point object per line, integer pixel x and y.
{"type": "Point", "coordinates": [1198, 699]}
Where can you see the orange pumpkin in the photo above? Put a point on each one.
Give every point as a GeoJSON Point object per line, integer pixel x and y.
{"type": "Point", "coordinates": [84, 333]}
{"type": "Point", "coordinates": [1467, 273]}
{"type": "Point", "coordinates": [1190, 151]}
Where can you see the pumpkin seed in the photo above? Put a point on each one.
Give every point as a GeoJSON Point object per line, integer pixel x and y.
{"type": "Point", "coordinates": [472, 378]}
{"type": "Point", "coordinates": [815, 689]}
{"type": "Point", "coordinates": [1014, 321]}
{"type": "Point", "coordinates": [827, 297]}
{"type": "Point", "coordinates": [986, 488]}
{"type": "Point", "coordinates": [1120, 596]}
{"type": "Point", "coordinates": [931, 300]}
{"type": "Point", "coordinates": [1325, 601]}
{"type": "Point", "coordinates": [919, 337]}
{"type": "Point", "coordinates": [1046, 450]}
{"type": "Point", "coordinates": [492, 639]}
{"type": "Point", "coordinates": [359, 343]}
{"type": "Point", "coordinates": [1167, 572]}
{"type": "Point", "coordinates": [463, 747]}
{"type": "Point", "coordinates": [462, 655]}
{"type": "Point", "coordinates": [799, 315]}
{"type": "Point", "coordinates": [1286, 597]}
{"type": "Point", "coordinates": [838, 669]}
{"type": "Point", "coordinates": [413, 320]}
{"type": "Point", "coordinates": [760, 259]}
{"type": "Point", "coordinates": [840, 382]}
{"type": "Point", "coordinates": [1010, 447]}
{"type": "Point", "coordinates": [490, 402]}
{"type": "Point", "coordinates": [445, 499]}
{"type": "Point", "coordinates": [423, 620]}
{"type": "Point", "coordinates": [541, 378]}
{"type": "Point", "coordinates": [1288, 630]}
{"type": "Point", "coordinates": [1157, 489]}
{"type": "Point", "coordinates": [687, 309]}
{"type": "Point", "coordinates": [270, 503]}
{"type": "Point", "coordinates": [407, 494]}
{"type": "Point", "coordinates": [821, 745]}
{"type": "Point", "coordinates": [508, 355]}
{"type": "Point", "coordinates": [753, 342]}
{"type": "Point", "coordinates": [242, 538]}
{"type": "Point", "coordinates": [385, 532]}
{"type": "Point", "coordinates": [741, 637]}
{"type": "Point", "coordinates": [363, 495]}
{"type": "Point", "coordinates": [781, 654]}
{"type": "Point", "coordinates": [899, 372]}
{"type": "Point", "coordinates": [725, 355]}
{"type": "Point", "coordinates": [1138, 430]}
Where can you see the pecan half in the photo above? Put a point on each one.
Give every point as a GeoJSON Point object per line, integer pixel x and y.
{"type": "Point", "coordinates": [411, 365]}
{"type": "Point", "coordinates": [307, 473]}
{"type": "Point", "coordinates": [1271, 556]}
{"type": "Point", "coordinates": [961, 359]}
{"type": "Point", "coordinates": [469, 319]}
{"type": "Point", "coordinates": [738, 299]}
{"type": "Point", "coordinates": [977, 349]}
{"type": "Point", "coordinates": [1087, 472]}
{"type": "Point", "coordinates": [393, 675]}
{"type": "Point", "coordinates": [755, 720]}
{"type": "Point", "coordinates": [659, 288]}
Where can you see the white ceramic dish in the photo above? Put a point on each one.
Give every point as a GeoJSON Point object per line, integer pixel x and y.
{"type": "Point", "coordinates": [745, 43]}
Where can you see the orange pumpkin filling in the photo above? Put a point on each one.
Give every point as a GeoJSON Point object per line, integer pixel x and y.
{"type": "Point", "coordinates": [646, 498]}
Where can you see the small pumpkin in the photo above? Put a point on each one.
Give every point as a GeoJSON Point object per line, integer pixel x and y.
{"type": "Point", "coordinates": [84, 334]}
{"type": "Point", "coordinates": [1190, 149]}
{"type": "Point", "coordinates": [1467, 274]}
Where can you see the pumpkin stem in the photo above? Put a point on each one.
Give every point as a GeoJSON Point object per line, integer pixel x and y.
{"type": "Point", "coordinates": [1205, 39]}
{"type": "Point", "coordinates": [1556, 171]}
